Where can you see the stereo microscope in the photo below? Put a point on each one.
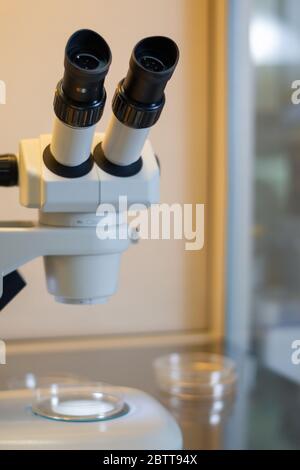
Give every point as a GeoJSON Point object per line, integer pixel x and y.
{"type": "Point", "coordinates": [68, 175]}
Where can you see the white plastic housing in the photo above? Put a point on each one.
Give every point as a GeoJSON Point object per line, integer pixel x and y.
{"type": "Point", "coordinates": [42, 189]}
{"type": "Point", "coordinates": [71, 146]}
{"type": "Point", "coordinates": [123, 145]}
{"type": "Point", "coordinates": [82, 279]}
{"type": "Point", "coordinates": [147, 425]}
{"type": "Point", "coordinates": [80, 268]}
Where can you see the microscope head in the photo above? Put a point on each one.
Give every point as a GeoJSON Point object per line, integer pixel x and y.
{"type": "Point", "coordinates": [69, 174]}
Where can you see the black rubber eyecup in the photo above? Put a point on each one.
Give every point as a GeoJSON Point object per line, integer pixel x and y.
{"type": "Point", "coordinates": [66, 171]}
{"type": "Point", "coordinates": [113, 169]}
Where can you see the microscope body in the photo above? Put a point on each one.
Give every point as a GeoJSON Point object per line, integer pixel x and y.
{"type": "Point", "coordinates": [81, 268]}
{"type": "Point", "coordinates": [76, 177]}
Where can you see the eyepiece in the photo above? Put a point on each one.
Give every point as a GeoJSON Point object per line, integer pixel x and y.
{"type": "Point", "coordinates": [87, 60]}
{"type": "Point", "coordinates": [137, 105]}
{"type": "Point", "coordinates": [139, 99]}
{"type": "Point", "coordinates": [151, 65]}
{"type": "Point", "coordinates": [80, 96]}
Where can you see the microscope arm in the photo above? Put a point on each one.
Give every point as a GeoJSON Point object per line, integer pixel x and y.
{"type": "Point", "coordinates": [21, 242]}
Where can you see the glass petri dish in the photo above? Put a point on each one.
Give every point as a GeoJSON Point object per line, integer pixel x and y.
{"type": "Point", "coordinates": [195, 375]}
{"type": "Point", "coordinates": [84, 402]}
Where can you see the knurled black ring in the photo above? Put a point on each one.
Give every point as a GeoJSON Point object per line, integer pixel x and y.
{"type": "Point", "coordinates": [75, 115]}
{"type": "Point", "coordinates": [133, 114]}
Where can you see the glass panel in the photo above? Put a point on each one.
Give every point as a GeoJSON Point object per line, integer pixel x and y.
{"type": "Point", "coordinates": [275, 51]}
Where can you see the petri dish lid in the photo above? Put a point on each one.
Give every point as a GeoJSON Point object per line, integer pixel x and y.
{"type": "Point", "coordinates": [195, 375]}
{"type": "Point", "coordinates": [83, 402]}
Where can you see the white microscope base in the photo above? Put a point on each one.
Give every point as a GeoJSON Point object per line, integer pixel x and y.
{"type": "Point", "coordinates": [147, 425]}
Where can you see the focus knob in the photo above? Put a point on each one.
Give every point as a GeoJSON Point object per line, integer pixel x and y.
{"type": "Point", "coordinates": [8, 170]}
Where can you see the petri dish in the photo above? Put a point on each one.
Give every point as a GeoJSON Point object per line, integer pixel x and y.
{"type": "Point", "coordinates": [83, 402]}
{"type": "Point", "coordinates": [196, 375]}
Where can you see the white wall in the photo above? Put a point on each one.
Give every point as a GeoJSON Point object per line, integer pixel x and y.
{"type": "Point", "coordinates": [162, 287]}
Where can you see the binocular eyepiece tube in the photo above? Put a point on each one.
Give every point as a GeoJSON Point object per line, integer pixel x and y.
{"type": "Point", "coordinates": [139, 100]}
{"type": "Point", "coordinates": [78, 104]}
{"type": "Point", "coordinates": [79, 100]}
